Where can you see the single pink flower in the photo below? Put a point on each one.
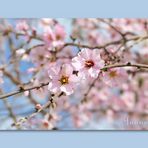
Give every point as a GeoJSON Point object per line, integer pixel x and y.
{"type": "Point", "coordinates": [60, 32]}
{"type": "Point", "coordinates": [88, 63]}
{"type": "Point", "coordinates": [22, 26]}
{"type": "Point", "coordinates": [54, 37]}
{"type": "Point", "coordinates": [115, 76]}
{"type": "Point", "coordinates": [48, 36]}
{"type": "Point", "coordinates": [62, 79]}
{"type": "Point", "coordinates": [40, 56]}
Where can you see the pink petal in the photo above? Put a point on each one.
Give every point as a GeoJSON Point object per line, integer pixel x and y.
{"type": "Point", "coordinates": [54, 86]}
{"type": "Point", "coordinates": [93, 72]}
{"type": "Point", "coordinates": [99, 64]}
{"type": "Point", "coordinates": [74, 78]}
{"type": "Point", "coordinates": [67, 69]}
{"type": "Point", "coordinates": [85, 53]}
{"type": "Point", "coordinates": [67, 89]}
{"type": "Point", "coordinates": [54, 71]}
{"type": "Point", "coordinates": [78, 63]}
{"type": "Point", "coordinates": [26, 93]}
{"type": "Point", "coordinates": [96, 54]}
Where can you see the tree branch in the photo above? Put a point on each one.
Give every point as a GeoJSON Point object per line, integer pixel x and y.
{"type": "Point", "coordinates": [142, 66]}
{"type": "Point", "coordinates": [23, 90]}
{"type": "Point", "coordinates": [107, 44]}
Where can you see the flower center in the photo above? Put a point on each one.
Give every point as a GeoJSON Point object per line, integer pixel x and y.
{"type": "Point", "coordinates": [49, 37]}
{"type": "Point", "coordinates": [41, 57]}
{"type": "Point", "coordinates": [89, 63]}
{"type": "Point", "coordinates": [58, 37]}
{"type": "Point", "coordinates": [113, 74]}
{"type": "Point", "coordinates": [64, 80]}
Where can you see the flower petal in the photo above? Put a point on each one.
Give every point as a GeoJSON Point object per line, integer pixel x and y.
{"type": "Point", "coordinates": [54, 86]}
{"type": "Point", "coordinates": [85, 53]}
{"type": "Point", "coordinates": [67, 89]}
{"type": "Point", "coordinates": [67, 69]}
{"type": "Point", "coordinates": [54, 71]}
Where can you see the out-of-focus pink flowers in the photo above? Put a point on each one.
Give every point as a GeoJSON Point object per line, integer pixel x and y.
{"type": "Point", "coordinates": [47, 21]}
{"type": "Point", "coordinates": [22, 26]}
{"type": "Point", "coordinates": [50, 120]}
{"type": "Point", "coordinates": [128, 98]}
{"type": "Point", "coordinates": [129, 25]}
{"type": "Point", "coordinates": [40, 56]}
{"type": "Point", "coordinates": [88, 63]}
{"type": "Point", "coordinates": [114, 77]}
{"type": "Point", "coordinates": [1, 80]}
{"type": "Point", "coordinates": [62, 79]}
{"type": "Point", "coordinates": [54, 37]}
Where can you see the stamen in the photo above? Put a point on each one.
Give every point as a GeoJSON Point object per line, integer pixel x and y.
{"type": "Point", "coordinates": [113, 74]}
{"type": "Point", "coordinates": [64, 80]}
{"type": "Point", "coordinates": [89, 63]}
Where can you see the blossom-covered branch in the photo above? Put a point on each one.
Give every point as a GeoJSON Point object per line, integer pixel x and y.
{"type": "Point", "coordinates": [21, 90]}
{"type": "Point", "coordinates": [73, 73]}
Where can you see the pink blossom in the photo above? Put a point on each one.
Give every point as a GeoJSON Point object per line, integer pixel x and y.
{"type": "Point", "coordinates": [54, 37]}
{"type": "Point", "coordinates": [62, 79]}
{"type": "Point", "coordinates": [47, 125]}
{"type": "Point", "coordinates": [48, 36]}
{"type": "Point", "coordinates": [22, 26]}
{"type": "Point", "coordinates": [26, 93]}
{"type": "Point", "coordinates": [114, 77]}
{"type": "Point", "coordinates": [88, 63]}
{"type": "Point", "coordinates": [47, 21]}
{"type": "Point", "coordinates": [40, 55]}
{"type": "Point", "coordinates": [38, 106]}
{"type": "Point", "coordinates": [59, 32]}
{"type": "Point", "coordinates": [50, 120]}
{"type": "Point", "coordinates": [129, 99]}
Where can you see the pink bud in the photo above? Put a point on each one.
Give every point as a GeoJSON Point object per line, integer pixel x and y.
{"type": "Point", "coordinates": [45, 123]}
{"type": "Point", "coordinates": [26, 93]}
{"type": "Point", "coordinates": [38, 106]}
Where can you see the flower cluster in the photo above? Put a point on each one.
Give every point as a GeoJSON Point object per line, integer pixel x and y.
{"type": "Point", "coordinates": [85, 66]}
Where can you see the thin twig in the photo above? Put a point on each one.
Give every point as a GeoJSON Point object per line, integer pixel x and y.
{"type": "Point", "coordinates": [23, 90]}
{"type": "Point", "coordinates": [107, 44]}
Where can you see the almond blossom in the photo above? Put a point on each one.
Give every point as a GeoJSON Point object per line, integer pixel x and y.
{"type": "Point", "coordinates": [54, 38]}
{"type": "Point", "coordinates": [22, 26]}
{"type": "Point", "coordinates": [62, 79]}
{"type": "Point", "coordinates": [88, 63]}
{"type": "Point", "coordinates": [40, 56]}
{"type": "Point", "coordinates": [114, 77]}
